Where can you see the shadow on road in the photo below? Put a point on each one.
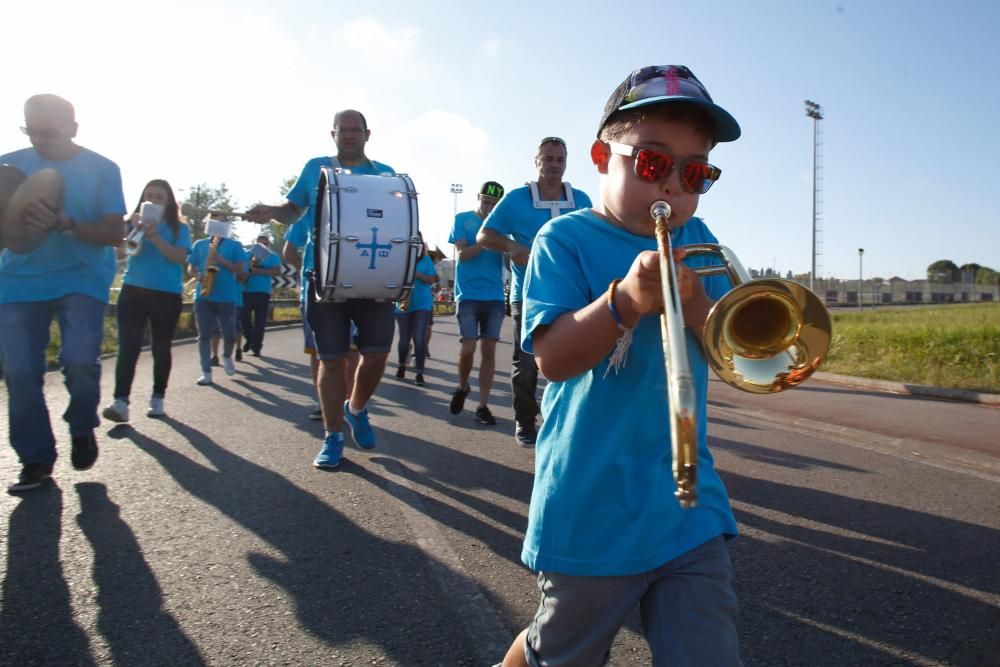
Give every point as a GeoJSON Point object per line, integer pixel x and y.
{"type": "Point", "coordinates": [37, 625]}
{"type": "Point", "coordinates": [131, 617]}
{"type": "Point", "coordinates": [838, 580]}
{"type": "Point", "coordinates": [346, 583]}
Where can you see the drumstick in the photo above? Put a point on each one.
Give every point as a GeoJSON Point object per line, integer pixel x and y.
{"type": "Point", "coordinates": [190, 210]}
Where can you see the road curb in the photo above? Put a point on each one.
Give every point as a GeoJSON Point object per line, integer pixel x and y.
{"type": "Point", "coordinates": [912, 389]}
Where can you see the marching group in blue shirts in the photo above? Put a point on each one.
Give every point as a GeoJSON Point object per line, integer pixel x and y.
{"type": "Point", "coordinates": [605, 532]}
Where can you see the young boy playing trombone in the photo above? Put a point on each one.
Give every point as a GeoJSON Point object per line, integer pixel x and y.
{"type": "Point", "coordinates": [605, 530]}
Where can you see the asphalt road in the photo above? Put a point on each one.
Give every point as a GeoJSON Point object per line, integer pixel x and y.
{"type": "Point", "coordinates": [870, 528]}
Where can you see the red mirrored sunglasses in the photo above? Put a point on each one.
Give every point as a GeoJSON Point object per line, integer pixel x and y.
{"type": "Point", "coordinates": [653, 166]}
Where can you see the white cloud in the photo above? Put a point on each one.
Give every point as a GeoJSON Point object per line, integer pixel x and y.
{"type": "Point", "coordinates": [377, 41]}
{"type": "Point", "coordinates": [490, 48]}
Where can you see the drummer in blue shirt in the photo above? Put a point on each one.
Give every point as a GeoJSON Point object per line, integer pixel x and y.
{"type": "Point", "coordinates": [331, 321]}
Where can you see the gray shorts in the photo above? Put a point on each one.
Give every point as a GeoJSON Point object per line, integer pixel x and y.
{"type": "Point", "coordinates": [688, 607]}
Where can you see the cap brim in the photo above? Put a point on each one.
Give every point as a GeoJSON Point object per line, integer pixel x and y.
{"type": "Point", "coordinates": [726, 127]}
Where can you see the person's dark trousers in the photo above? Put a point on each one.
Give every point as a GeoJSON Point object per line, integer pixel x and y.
{"type": "Point", "coordinates": [136, 306]}
{"type": "Point", "coordinates": [255, 318]}
{"type": "Point", "coordinates": [523, 375]}
{"type": "Point", "coordinates": [413, 327]}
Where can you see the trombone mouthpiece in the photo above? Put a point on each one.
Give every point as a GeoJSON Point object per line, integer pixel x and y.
{"type": "Point", "coordinates": [659, 208]}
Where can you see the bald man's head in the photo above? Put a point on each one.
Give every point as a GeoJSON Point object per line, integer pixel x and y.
{"type": "Point", "coordinates": [50, 123]}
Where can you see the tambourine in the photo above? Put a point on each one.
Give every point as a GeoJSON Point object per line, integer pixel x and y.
{"type": "Point", "coordinates": [17, 193]}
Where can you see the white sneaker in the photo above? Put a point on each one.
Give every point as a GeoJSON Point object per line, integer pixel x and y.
{"type": "Point", "coordinates": [117, 411]}
{"type": "Point", "coordinates": [155, 407]}
{"type": "Point", "coordinates": [229, 366]}
{"type": "Point", "coordinates": [205, 379]}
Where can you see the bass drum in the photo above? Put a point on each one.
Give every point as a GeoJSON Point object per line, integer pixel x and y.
{"type": "Point", "coordinates": [366, 241]}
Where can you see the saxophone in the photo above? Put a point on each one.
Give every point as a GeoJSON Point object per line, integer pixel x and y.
{"type": "Point", "coordinates": [208, 278]}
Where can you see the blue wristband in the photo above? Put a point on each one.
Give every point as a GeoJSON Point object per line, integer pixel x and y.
{"type": "Point", "coordinates": [613, 308]}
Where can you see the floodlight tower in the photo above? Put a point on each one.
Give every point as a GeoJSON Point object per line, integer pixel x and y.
{"type": "Point", "coordinates": [814, 111]}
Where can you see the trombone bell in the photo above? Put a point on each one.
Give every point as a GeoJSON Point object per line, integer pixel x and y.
{"type": "Point", "coordinates": [765, 336]}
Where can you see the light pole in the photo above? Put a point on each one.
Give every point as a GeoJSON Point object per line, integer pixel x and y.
{"type": "Point", "coordinates": [814, 111]}
{"type": "Point", "coordinates": [456, 189]}
{"type": "Point", "coordinates": [861, 254]}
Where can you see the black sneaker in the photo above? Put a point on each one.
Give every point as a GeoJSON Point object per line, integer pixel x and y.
{"type": "Point", "coordinates": [458, 400]}
{"type": "Point", "coordinates": [84, 453]}
{"type": "Point", "coordinates": [484, 416]}
{"type": "Point", "coordinates": [419, 380]}
{"type": "Point", "coordinates": [215, 361]}
{"type": "Point", "coordinates": [525, 433]}
{"type": "Point", "coordinates": [239, 355]}
{"type": "Point", "coordinates": [32, 476]}
{"type": "Point", "coordinates": [401, 372]}
{"type": "Point", "coordinates": [246, 346]}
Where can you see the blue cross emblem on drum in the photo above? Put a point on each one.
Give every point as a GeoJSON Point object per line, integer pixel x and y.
{"type": "Point", "coordinates": [382, 248]}
{"type": "Point", "coordinates": [351, 209]}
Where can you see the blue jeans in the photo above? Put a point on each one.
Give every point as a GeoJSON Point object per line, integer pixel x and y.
{"type": "Point", "coordinates": [479, 319]}
{"type": "Point", "coordinates": [413, 326]}
{"type": "Point", "coordinates": [207, 316]}
{"type": "Point", "coordinates": [24, 336]}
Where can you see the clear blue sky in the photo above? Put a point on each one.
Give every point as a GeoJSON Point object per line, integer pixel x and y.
{"type": "Point", "coordinates": [243, 92]}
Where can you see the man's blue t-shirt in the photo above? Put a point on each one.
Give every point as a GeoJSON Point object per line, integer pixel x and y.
{"type": "Point", "coordinates": [516, 216]}
{"type": "Point", "coordinates": [63, 264]}
{"type": "Point", "coordinates": [421, 297]}
{"type": "Point", "coordinates": [603, 499]}
{"type": "Point", "coordinates": [259, 282]}
{"type": "Point", "coordinates": [225, 289]}
{"type": "Point", "coordinates": [151, 270]}
{"type": "Point", "coordinates": [303, 195]}
{"type": "Point", "coordinates": [479, 278]}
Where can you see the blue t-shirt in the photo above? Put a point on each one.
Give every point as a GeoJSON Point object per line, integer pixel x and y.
{"type": "Point", "coordinates": [516, 216]}
{"type": "Point", "coordinates": [421, 297]}
{"type": "Point", "coordinates": [225, 289]}
{"type": "Point", "coordinates": [63, 264]}
{"type": "Point", "coordinates": [151, 270]}
{"type": "Point", "coordinates": [258, 282]}
{"type": "Point", "coordinates": [479, 278]}
{"type": "Point", "coordinates": [603, 500]}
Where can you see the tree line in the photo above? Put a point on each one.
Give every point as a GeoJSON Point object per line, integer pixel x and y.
{"type": "Point", "coordinates": [947, 272]}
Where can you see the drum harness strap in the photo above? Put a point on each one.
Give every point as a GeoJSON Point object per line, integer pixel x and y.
{"type": "Point", "coordinates": [555, 207]}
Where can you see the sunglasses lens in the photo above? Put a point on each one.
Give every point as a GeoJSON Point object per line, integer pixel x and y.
{"type": "Point", "coordinates": [698, 177]}
{"type": "Point", "coordinates": [652, 166]}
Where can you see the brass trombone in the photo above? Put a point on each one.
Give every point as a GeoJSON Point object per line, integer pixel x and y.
{"type": "Point", "coordinates": [763, 336]}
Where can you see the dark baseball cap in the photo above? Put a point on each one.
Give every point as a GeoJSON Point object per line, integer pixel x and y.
{"type": "Point", "coordinates": [662, 84]}
{"type": "Point", "coordinates": [492, 189]}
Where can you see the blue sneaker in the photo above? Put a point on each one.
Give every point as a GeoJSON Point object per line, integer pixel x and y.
{"type": "Point", "coordinates": [329, 456]}
{"type": "Point", "coordinates": [360, 428]}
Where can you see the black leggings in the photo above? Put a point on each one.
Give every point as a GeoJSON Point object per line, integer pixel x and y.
{"type": "Point", "coordinates": [136, 306]}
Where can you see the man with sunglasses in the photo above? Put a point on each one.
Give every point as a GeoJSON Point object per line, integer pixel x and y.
{"type": "Point", "coordinates": [510, 229]}
{"type": "Point", "coordinates": [605, 530]}
{"type": "Point", "coordinates": [67, 278]}
{"type": "Point", "coordinates": [330, 322]}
